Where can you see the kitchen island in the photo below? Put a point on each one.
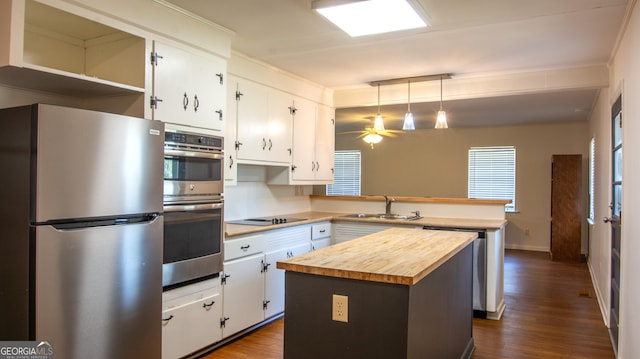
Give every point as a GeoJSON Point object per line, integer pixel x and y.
{"type": "Point", "coordinates": [401, 293]}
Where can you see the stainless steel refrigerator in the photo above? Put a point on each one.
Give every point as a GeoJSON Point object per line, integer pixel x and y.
{"type": "Point", "coordinates": [81, 231]}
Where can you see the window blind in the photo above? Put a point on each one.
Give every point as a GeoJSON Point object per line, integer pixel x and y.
{"type": "Point", "coordinates": [346, 175]}
{"type": "Point", "coordinates": [492, 174]}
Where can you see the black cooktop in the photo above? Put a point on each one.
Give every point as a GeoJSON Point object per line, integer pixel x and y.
{"type": "Point", "coordinates": [266, 221]}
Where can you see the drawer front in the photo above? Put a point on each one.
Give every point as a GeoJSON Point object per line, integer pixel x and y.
{"type": "Point", "coordinates": [243, 246]}
{"type": "Point", "coordinates": [190, 293]}
{"type": "Point", "coordinates": [191, 327]}
{"type": "Point", "coordinates": [320, 230]}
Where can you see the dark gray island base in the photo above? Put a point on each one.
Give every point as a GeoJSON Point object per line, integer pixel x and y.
{"type": "Point", "coordinates": [431, 318]}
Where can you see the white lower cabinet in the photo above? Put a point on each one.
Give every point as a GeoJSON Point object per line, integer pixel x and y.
{"type": "Point", "coordinates": [274, 278]}
{"type": "Point", "coordinates": [320, 235]}
{"type": "Point", "coordinates": [320, 243]}
{"type": "Point", "coordinates": [346, 231]}
{"type": "Point", "coordinates": [243, 293]}
{"type": "Point", "coordinates": [191, 318]}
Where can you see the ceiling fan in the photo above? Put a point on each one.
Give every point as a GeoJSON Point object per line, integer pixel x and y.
{"type": "Point", "coordinates": [372, 136]}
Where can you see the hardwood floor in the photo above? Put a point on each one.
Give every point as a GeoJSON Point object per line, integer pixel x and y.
{"type": "Point", "coordinates": [551, 312]}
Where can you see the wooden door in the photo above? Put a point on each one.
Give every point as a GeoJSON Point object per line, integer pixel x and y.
{"type": "Point", "coordinates": [566, 208]}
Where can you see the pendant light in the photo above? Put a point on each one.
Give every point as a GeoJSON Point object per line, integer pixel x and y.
{"type": "Point", "coordinates": [441, 120]}
{"type": "Point", "coordinates": [408, 124]}
{"type": "Point", "coordinates": [378, 124]}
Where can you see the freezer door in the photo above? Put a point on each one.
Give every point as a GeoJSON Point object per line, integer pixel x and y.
{"type": "Point", "coordinates": [94, 164]}
{"type": "Point", "coordinates": [99, 290]}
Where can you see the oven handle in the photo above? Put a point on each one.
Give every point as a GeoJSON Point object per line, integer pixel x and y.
{"type": "Point", "coordinates": [216, 156]}
{"type": "Point", "coordinates": [192, 207]}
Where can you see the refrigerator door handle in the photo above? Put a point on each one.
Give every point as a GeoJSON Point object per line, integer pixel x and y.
{"type": "Point", "coordinates": [99, 222]}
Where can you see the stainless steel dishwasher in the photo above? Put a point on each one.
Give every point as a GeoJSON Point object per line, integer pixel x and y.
{"type": "Point", "coordinates": [479, 268]}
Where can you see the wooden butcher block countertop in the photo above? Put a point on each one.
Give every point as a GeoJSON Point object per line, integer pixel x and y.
{"type": "Point", "coordinates": [397, 255]}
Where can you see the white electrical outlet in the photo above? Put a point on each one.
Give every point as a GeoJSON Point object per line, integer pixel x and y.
{"type": "Point", "coordinates": [340, 308]}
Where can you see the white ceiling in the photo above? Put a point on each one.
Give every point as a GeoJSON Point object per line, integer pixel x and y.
{"type": "Point", "coordinates": [467, 38]}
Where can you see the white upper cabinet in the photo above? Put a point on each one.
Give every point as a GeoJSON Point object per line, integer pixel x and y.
{"type": "Point", "coordinates": [324, 144]}
{"type": "Point", "coordinates": [188, 87]}
{"type": "Point", "coordinates": [263, 124]}
{"type": "Point", "coordinates": [56, 51]}
{"type": "Point", "coordinates": [303, 164]}
{"type": "Point", "coordinates": [313, 146]}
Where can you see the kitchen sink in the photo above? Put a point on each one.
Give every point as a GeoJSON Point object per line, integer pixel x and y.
{"type": "Point", "coordinates": [382, 216]}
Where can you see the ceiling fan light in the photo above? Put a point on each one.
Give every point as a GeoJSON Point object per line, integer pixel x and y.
{"type": "Point", "coordinates": [441, 120]}
{"type": "Point", "coordinates": [372, 138]}
{"type": "Point", "coordinates": [408, 124]}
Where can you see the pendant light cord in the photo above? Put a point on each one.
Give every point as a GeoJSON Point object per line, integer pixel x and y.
{"type": "Point", "coordinates": [378, 99]}
{"type": "Point", "coordinates": [409, 95]}
{"type": "Point", "coordinates": [440, 92]}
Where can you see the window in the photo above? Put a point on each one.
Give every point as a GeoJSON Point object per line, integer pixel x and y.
{"type": "Point", "coordinates": [592, 174]}
{"type": "Point", "coordinates": [492, 174]}
{"type": "Point", "coordinates": [346, 175]}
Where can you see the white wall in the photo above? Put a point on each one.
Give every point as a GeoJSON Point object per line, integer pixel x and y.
{"type": "Point", "coordinates": [625, 79]}
{"type": "Point", "coordinates": [433, 163]}
{"type": "Point", "coordinates": [252, 197]}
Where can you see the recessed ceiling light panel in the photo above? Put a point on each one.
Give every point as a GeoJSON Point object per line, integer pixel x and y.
{"type": "Point", "coordinates": [368, 17]}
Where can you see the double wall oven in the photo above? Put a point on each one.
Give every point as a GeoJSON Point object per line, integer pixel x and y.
{"type": "Point", "coordinates": [193, 207]}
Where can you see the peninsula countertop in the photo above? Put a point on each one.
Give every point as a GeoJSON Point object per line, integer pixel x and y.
{"type": "Point", "coordinates": [232, 230]}
{"type": "Point", "coordinates": [397, 255]}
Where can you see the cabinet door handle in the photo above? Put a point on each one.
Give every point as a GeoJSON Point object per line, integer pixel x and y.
{"type": "Point", "coordinates": [244, 248]}
{"type": "Point", "coordinates": [196, 103]}
{"type": "Point", "coordinates": [264, 143]}
{"type": "Point", "coordinates": [185, 101]}
{"type": "Point", "coordinates": [238, 95]}
{"type": "Point", "coordinates": [219, 112]}
{"type": "Point", "coordinates": [293, 168]}
{"type": "Point", "coordinates": [317, 166]}
{"type": "Point", "coordinates": [607, 219]}
{"type": "Point", "coordinates": [207, 306]}
{"type": "Point", "coordinates": [270, 145]}
{"type": "Point", "coordinates": [221, 77]}
{"type": "Point", "coordinates": [238, 144]}
{"type": "Point", "coordinates": [313, 166]}
{"type": "Point", "coordinates": [230, 161]}
{"type": "Point", "coordinates": [323, 230]}
{"type": "Point", "coordinates": [167, 319]}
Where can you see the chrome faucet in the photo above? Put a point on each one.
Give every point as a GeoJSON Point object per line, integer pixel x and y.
{"type": "Point", "coordinates": [388, 202]}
